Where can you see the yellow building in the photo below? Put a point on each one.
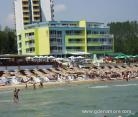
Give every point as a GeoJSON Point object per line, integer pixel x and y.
{"type": "Point", "coordinates": [65, 38]}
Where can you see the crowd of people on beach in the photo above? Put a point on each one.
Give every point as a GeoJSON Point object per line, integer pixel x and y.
{"type": "Point", "coordinates": [63, 74]}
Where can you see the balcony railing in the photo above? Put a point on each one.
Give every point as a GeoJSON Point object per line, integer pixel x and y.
{"type": "Point", "coordinates": [75, 44]}
{"type": "Point", "coordinates": [100, 51]}
{"type": "Point", "coordinates": [74, 36]}
{"type": "Point", "coordinates": [94, 44]}
{"type": "Point", "coordinates": [74, 50]}
{"type": "Point", "coordinates": [100, 36]}
{"type": "Point", "coordinates": [56, 51]}
{"type": "Point", "coordinates": [30, 37]}
{"type": "Point", "coordinates": [55, 44]}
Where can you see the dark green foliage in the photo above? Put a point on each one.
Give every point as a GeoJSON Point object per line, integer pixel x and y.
{"type": "Point", "coordinates": [125, 36]}
{"type": "Point", "coordinates": [8, 41]}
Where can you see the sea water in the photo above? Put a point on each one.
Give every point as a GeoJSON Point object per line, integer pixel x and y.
{"type": "Point", "coordinates": [112, 99]}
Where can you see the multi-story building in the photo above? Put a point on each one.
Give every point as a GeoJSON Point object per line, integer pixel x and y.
{"type": "Point", "coordinates": [32, 11]}
{"type": "Point", "coordinates": [60, 38]}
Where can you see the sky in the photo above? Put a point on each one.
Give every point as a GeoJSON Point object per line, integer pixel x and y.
{"type": "Point", "coordinates": [105, 11]}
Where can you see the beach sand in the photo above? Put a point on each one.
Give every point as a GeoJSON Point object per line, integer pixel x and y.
{"type": "Point", "coordinates": [50, 84]}
{"type": "Point", "coordinates": [56, 84]}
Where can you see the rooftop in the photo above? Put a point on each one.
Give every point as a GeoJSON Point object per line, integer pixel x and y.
{"type": "Point", "coordinates": [65, 24]}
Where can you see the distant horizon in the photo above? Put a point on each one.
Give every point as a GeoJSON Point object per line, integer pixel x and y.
{"type": "Point", "coordinates": [105, 11]}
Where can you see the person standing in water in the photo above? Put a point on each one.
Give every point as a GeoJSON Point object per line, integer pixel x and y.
{"type": "Point", "coordinates": [16, 95]}
{"type": "Point", "coordinates": [41, 84]}
{"type": "Point", "coordinates": [34, 86]}
{"type": "Point", "coordinates": [26, 86]}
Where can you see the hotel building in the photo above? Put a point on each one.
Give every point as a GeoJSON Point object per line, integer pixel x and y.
{"type": "Point", "coordinates": [38, 33]}
{"type": "Point", "coordinates": [32, 11]}
{"type": "Point", "coordinates": [63, 38]}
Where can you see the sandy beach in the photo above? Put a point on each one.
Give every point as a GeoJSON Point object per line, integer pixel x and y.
{"type": "Point", "coordinates": [58, 84]}
{"type": "Point", "coordinates": [49, 84]}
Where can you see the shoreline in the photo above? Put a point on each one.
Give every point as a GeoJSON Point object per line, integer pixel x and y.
{"type": "Point", "coordinates": [58, 84]}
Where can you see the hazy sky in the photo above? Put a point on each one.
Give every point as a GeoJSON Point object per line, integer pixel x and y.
{"type": "Point", "coordinates": [92, 10]}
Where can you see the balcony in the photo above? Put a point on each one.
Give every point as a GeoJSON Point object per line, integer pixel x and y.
{"type": "Point", "coordinates": [36, 10]}
{"type": "Point", "coordinates": [94, 44]}
{"type": "Point", "coordinates": [26, 21]}
{"type": "Point", "coordinates": [26, 5]}
{"type": "Point", "coordinates": [26, 16]}
{"type": "Point", "coordinates": [75, 44]}
{"type": "Point", "coordinates": [55, 43]}
{"type": "Point", "coordinates": [75, 41]}
{"type": "Point", "coordinates": [74, 50]}
{"type": "Point", "coordinates": [36, 5]}
{"type": "Point", "coordinates": [36, 15]}
{"type": "Point", "coordinates": [107, 43]}
{"type": "Point", "coordinates": [75, 36]}
{"type": "Point", "coordinates": [26, 10]}
{"type": "Point", "coordinates": [30, 37]}
{"type": "Point", "coordinates": [56, 51]}
{"type": "Point", "coordinates": [36, 0]}
{"type": "Point", "coordinates": [100, 51]}
{"type": "Point", "coordinates": [30, 45]}
{"type": "Point", "coordinates": [100, 36]}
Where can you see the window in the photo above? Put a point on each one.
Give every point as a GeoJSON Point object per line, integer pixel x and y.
{"type": "Point", "coordinates": [20, 45]}
{"type": "Point", "coordinates": [75, 40]}
{"type": "Point", "coordinates": [29, 35]}
{"type": "Point", "coordinates": [30, 50]}
{"type": "Point", "coordinates": [19, 37]}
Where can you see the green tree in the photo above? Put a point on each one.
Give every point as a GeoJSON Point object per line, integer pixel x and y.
{"type": "Point", "coordinates": [125, 36]}
{"type": "Point", "coordinates": [8, 41]}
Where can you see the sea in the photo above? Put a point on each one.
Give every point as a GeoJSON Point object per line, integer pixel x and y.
{"type": "Point", "coordinates": [101, 99]}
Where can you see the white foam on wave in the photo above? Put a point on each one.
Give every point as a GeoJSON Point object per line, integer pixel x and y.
{"type": "Point", "coordinates": [131, 114]}
{"type": "Point", "coordinates": [38, 104]}
{"type": "Point", "coordinates": [57, 89]}
{"type": "Point", "coordinates": [43, 115]}
{"type": "Point", "coordinates": [126, 85]}
{"type": "Point", "coordinates": [5, 92]}
{"type": "Point", "coordinates": [5, 101]}
{"type": "Point", "coordinates": [119, 85]}
{"type": "Point", "coordinates": [44, 103]}
{"type": "Point", "coordinates": [104, 86]}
